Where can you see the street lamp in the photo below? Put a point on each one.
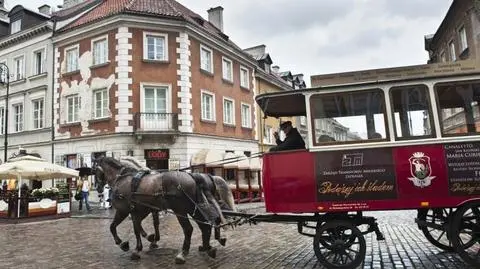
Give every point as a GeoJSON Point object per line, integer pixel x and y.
{"type": "Point", "coordinates": [5, 75]}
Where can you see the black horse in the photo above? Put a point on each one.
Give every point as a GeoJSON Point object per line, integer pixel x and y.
{"type": "Point", "coordinates": [181, 192]}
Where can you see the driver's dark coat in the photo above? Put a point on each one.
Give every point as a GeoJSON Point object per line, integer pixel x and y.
{"type": "Point", "coordinates": [293, 141]}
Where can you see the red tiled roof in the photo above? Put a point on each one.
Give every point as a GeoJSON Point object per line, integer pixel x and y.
{"type": "Point", "coordinates": [162, 8]}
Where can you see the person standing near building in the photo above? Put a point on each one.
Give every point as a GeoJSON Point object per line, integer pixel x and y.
{"type": "Point", "coordinates": [85, 192]}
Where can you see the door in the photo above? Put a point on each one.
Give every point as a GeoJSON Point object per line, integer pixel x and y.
{"type": "Point", "coordinates": [154, 116]}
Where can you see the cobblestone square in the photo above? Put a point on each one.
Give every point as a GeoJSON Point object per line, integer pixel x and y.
{"type": "Point", "coordinates": [84, 241]}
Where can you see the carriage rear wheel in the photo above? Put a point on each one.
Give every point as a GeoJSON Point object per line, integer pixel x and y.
{"type": "Point", "coordinates": [466, 233]}
{"type": "Point", "coordinates": [339, 244]}
{"type": "Point", "coordinates": [438, 237]}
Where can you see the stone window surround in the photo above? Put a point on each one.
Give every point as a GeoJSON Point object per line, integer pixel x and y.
{"type": "Point", "coordinates": [232, 111]}
{"type": "Point", "coordinates": [203, 47]}
{"type": "Point", "coordinates": [42, 118]}
{"type": "Point", "coordinates": [43, 50]}
{"type": "Point", "coordinates": [145, 45]}
{"type": "Point", "coordinates": [249, 123]}
{"type": "Point", "coordinates": [92, 47]}
{"type": "Point", "coordinates": [94, 103]}
{"type": "Point", "coordinates": [225, 76]}
{"type": "Point", "coordinates": [247, 80]}
{"type": "Point", "coordinates": [212, 108]}
{"type": "Point", "coordinates": [66, 50]}
{"type": "Point", "coordinates": [168, 87]}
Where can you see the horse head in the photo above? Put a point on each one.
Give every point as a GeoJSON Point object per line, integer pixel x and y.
{"type": "Point", "coordinates": [106, 171]}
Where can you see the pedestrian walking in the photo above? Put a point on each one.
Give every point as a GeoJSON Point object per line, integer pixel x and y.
{"type": "Point", "coordinates": [85, 188]}
{"type": "Point", "coordinates": [105, 202]}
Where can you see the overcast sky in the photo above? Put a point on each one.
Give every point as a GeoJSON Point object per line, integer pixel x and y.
{"type": "Point", "coordinates": [320, 36]}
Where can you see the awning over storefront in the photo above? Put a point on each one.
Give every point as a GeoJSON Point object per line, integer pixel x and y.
{"type": "Point", "coordinates": [208, 158]}
{"type": "Point", "coordinates": [230, 161]}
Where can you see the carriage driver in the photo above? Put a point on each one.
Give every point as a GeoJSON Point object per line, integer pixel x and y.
{"type": "Point", "coordinates": [293, 139]}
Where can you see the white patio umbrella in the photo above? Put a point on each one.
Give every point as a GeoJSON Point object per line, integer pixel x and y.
{"type": "Point", "coordinates": [30, 167]}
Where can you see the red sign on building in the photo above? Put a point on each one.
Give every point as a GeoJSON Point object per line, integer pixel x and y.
{"type": "Point", "coordinates": [157, 154]}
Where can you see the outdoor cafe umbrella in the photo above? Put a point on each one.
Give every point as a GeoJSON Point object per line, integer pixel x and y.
{"type": "Point", "coordinates": [30, 167]}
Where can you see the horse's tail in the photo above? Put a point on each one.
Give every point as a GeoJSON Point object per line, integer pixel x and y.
{"type": "Point", "coordinates": [224, 192]}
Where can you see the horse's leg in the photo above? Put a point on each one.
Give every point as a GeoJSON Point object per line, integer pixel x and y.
{"type": "Point", "coordinates": [187, 232]}
{"type": "Point", "coordinates": [137, 227]}
{"type": "Point", "coordinates": [154, 238]}
{"type": "Point", "coordinates": [117, 219]}
{"type": "Point", "coordinates": [206, 234]}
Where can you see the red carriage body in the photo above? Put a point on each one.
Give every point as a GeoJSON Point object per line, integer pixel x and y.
{"type": "Point", "coordinates": [388, 139]}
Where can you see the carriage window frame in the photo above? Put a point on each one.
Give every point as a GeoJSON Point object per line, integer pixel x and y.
{"type": "Point", "coordinates": [439, 109]}
{"type": "Point", "coordinates": [363, 141]}
{"type": "Point", "coordinates": [430, 113]}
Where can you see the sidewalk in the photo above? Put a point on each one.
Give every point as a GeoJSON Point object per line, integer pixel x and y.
{"type": "Point", "coordinates": [99, 212]}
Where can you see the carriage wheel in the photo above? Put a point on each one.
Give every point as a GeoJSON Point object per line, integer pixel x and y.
{"type": "Point", "coordinates": [439, 216]}
{"type": "Point", "coordinates": [466, 233]}
{"type": "Point", "coordinates": [339, 245]}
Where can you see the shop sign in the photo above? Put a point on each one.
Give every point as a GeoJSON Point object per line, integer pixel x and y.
{"type": "Point", "coordinates": [173, 164]}
{"type": "Point", "coordinates": [157, 154]}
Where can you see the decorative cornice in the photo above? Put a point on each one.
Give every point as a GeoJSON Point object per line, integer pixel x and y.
{"type": "Point", "coordinates": [25, 35]}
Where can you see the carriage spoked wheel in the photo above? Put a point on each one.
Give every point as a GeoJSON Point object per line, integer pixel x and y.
{"type": "Point", "coordinates": [441, 217]}
{"type": "Point", "coordinates": [466, 233]}
{"type": "Point", "coordinates": [339, 245]}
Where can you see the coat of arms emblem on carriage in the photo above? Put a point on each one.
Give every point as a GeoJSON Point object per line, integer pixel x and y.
{"type": "Point", "coordinates": [421, 170]}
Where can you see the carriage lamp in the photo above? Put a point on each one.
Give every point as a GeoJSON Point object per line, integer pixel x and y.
{"type": "Point", "coordinates": [424, 204]}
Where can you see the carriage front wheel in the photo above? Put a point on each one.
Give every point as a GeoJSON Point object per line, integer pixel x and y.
{"type": "Point", "coordinates": [466, 233]}
{"type": "Point", "coordinates": [339, 244]}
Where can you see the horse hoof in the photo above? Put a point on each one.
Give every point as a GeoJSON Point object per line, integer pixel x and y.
{"type": "Point", "coordinates": [135, 257]}
{"type": "Point", "coordinates": [222, 241]}
{"type": "Point", "coordinates": [125, 246]}
{"type": "Point", "coordinates": [151, 238]}
{"type": "Point", "coordinates": [202, 248]}
{"type": "Point", "coordinates": [180, 259]}
{"type": "Point", "coordinates": [212, 253]}
{"type": "Point", "coordinates": [153, 246]}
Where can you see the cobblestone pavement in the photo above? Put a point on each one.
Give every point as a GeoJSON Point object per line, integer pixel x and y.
{"type": "Point", "coordinates": [84, 241]}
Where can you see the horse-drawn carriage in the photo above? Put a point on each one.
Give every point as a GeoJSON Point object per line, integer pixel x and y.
{"type": "Point", "coordinates": [408, 143]}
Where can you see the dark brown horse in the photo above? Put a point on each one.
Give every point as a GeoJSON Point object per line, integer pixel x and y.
{"type": "Point", "coordinates": [178, 191]}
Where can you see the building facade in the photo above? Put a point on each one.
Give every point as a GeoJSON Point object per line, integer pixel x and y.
{"type": "Point", "coordinates": [157, 83]}
{"type": "Point", "coordinates": [269, 79]}
{"type": "Point", "coordinates": [456, 37]}
{"type": "Point", "coordinates": [26, 49]}
{"type": "Point", "coordinates": [456, 40]}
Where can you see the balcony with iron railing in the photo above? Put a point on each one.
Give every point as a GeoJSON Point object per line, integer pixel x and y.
{"type": "Point", "coordinates": [155, 123]}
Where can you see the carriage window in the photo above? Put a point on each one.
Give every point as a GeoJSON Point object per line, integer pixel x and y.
{"type": "Point", "coordinates": [411, 112]}
{"type": "Point", "coordinates": [458, 107]}
{"type": "Point", "coordinates": [348, 116]}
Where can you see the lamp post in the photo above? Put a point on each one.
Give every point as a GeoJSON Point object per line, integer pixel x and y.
{"type": "Point", "coordinates": [5, 75]}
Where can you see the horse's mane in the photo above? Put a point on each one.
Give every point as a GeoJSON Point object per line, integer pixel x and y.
{"type": "Point", "coordinates": [116, 164]}
{"type": "Point", "coordinates": [133, 163]}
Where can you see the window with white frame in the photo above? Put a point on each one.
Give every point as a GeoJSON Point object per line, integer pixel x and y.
{"type": "Point", "coordinates": [244, 80]}
{"type": "Point", "coordinates": [18, 117]}
{"type": "Point", "coordinates": [100, 99]}
{"type": "Point", "coordinates": [228, 111]}
{"type": "Point", "coordinates": [453, 55]}
{"type": "Point", "coordinates": [156, 100]}
{"type": "Point", "coordinates": [155, 46]}
{"type": "Point", "coordinates": [268, 134]}
{"type": "Point", "coordinates": [208, 106]}
{"type": "Point", "coordinates": [206, 59]}
{"type": "Point", "coordinates": [100, 50]}
{"type": "Point", "coordinates": [443, 58]}
{"type": "Point", "coordinates": [73, 108]}
{"type": "Point", "coordinates": [246, 116]}
{"type": "Point", "coordinates": [16, 26]}
{"type": "Point", "coordinates": [19, 67]}
{"type": "Point", "coordinates": [38, 113]}
{"type": "Point", "coordinates": [463, 38]}
{"type": "Point", "coordinates": [2, 120]}
{"type": "Point", "coordinates": [71, 56]}
{"type": "Point", "coordinates": [38, 62]}
{"type": "Point", "coordinates": [3, 75]}
{"type": "Point", "coordinates": [227, 69]}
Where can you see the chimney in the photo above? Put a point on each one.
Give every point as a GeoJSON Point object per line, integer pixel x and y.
{"type": "Point", "coordinates": [256, 51]}
{"type": "Point", "coordinates": [45, 9]}
{"type": "Point", "coordinates": [215, 17]}
{"type": "Point", "coordinates": [276, 69]}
